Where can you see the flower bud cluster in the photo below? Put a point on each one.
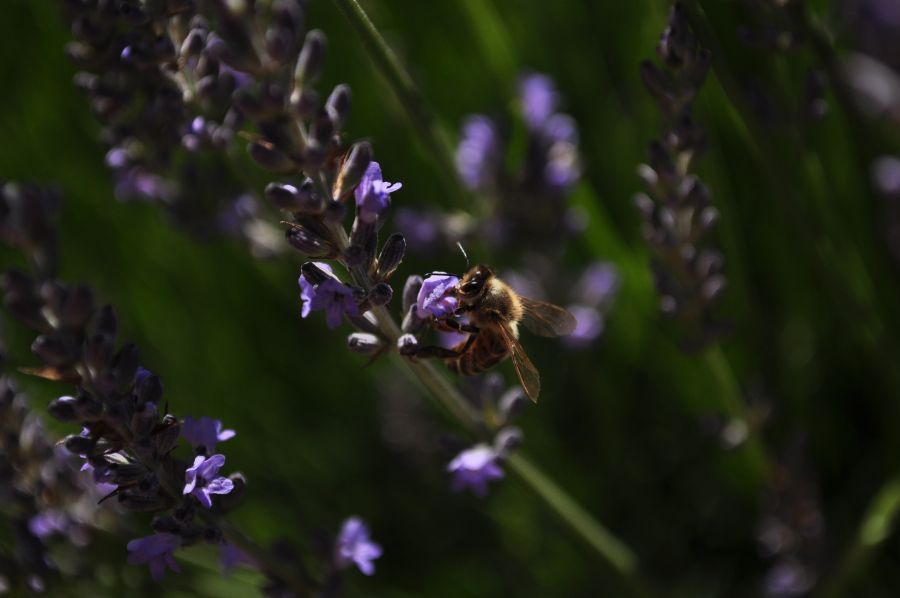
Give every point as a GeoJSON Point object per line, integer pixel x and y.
{"type": "Point", "coordinates": [677, 207]}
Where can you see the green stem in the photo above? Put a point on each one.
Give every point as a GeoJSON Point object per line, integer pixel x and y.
{"type": "Point", "coordinates": [876, 527]}
{"type": "Point", "coordinates": [423, 119]}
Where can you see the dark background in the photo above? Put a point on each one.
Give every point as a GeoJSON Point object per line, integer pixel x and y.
{"type": "Point", "coordinates": [628, 427]}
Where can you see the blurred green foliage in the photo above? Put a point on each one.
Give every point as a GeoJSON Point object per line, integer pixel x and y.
{"type": "Point", "coordinates": [621, 427]}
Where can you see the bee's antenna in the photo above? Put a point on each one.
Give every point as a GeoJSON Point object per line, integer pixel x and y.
{"type": "Point", "coordinates": [465, 255]}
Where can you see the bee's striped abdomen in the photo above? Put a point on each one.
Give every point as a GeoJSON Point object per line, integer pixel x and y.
{"type": "Point", "coordinates": [487, 350]}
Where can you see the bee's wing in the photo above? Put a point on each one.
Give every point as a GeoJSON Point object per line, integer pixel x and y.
{"type": "Point", "coordinates": [546, 319]}
{"type": "Point", "coordinates": [528, 374]}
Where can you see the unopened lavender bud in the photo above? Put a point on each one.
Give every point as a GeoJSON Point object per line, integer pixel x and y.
{"type": "Point", "coordinates": [708, 218]}
{"type": "Point", "coordinates": [269, 157]}
{"type": "Point", "coordinates": [79, 445]}
{"type": "Point", "coordinates": [279, 42]}
{"type": "Point", "coordinates": [309, 243]}
{"type": "Point", "coordinates": [314, 274]}
{"type": "Point", "coordinates": [647, 175]}
{"type": "Point", "coordinates": [335, 212]}
{"type": "Point", "coordinates": [338, 105]}
{"type": "Point", "coordinates": [77, 308]}
{"type": "Point", "coordinates": [713, 287]}
{"type": "Point", "coordinates": [322, 130]}
{"type": "Point", "coordinates": [143, 421]}
{"type": "Point", "coordinates": [380, 294]}
{"type": "Point", "coordinates": [54, 352]}
{"type": "Point", "coordinates": [193, 43]}
{"type": "Point", "coordinates": [305, 102]}
{"type": "Point", "coordinates": [407, 344]}
{"type": "Point", "coordinates": [354, 255]}
{"type": "Point", "coordinates": [411, 291]}
{"type": "Point", "coordinates": [391, 255]}
{"type": "Point", "coordinates": [309, 64]}
{"type": "Point", "coordinates": [412, 323]}
{"type": "Point", "coordinates": [512, 403]}
{"type": "Point", "coordinates": [98, 352]}
{"type": "Point", "coordinates": [363, 342]}
{"type": "Point", "coordinates": [507, 440]}
{"type": "Point", "coordinates": [64, 409]}
{"type": "Point", "coordinates": [167, 438]}
{"type": "Point", "coordinates": [125, 364]}
{"type": "Point", "coordinates": [284, 196]}
{"type": "Point", "coordinates": [105, 322]}
{"type": "Point", "coordinates": [354, 168]}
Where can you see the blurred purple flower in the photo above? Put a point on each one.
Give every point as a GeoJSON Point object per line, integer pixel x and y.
{"type": "Point", "coordinates": [202, 480]}
{"type": "Point", "coordinates": [477, 152]}
{"type": "Point", "coordinates": [47, 523]}
{"type": "Point", "coordinates": [589, 325]}
{"type": "Point", "coordinates": [886, 174]}
{"type": "Point", "coordinates": [474, 468]}
{"type": "Point", "coordinates": [355, 547]}
{"type": "Point", "coordinates": [156, 551]}
{"type": "Point", "coordinates": [598, 285]}
{"type": "Point", "coordinates": [436, 296]}
{"type": "Point", "coordinates": [373, 194]}
{"type": "Point", "coordinates": [235, 214]}
{"type": "Point", "coordinates": [308, 290]}
{"type": "Point", "coordinates": [538, 97]}
{"type": "Point", "coordinates": [421, 229]}
{"type": "Point", "coordinates": [136, 183]}
{"type": "Point", "coordinates": [205, 432]}
{"type": "Point", "coordinates": [336, 299]}
{"type": "Point", "coordinates": [232, 556]}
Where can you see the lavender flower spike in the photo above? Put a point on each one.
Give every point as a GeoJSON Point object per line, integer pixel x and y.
{"type": "Point", "coordinates": [435, 296]}
{"type": "Point", "coordinates": [474, 468]}
{"type": "Point", "coordinates": [373, 194]}
{"type": "Point", "coordinates": [204, 433]}
{"type": "Point", "coordinates": [355, 547]}
{"type": "Point", "coordinates": [202, 481]}
{"type": "Point", "coordinates": [477, 152]}
{"type": "Point", "coordinates": [156, 551]}
{"type": "Point", "coordinates": [539, 99]}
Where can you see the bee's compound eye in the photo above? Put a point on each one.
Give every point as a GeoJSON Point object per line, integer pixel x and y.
{"type": "Point", "coordinates": [471, 287]}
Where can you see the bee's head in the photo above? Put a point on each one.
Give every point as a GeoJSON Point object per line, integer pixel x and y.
{"type": "Point", "coordinates": [472, 285]}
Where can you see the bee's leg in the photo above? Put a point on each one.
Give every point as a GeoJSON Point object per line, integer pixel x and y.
{"type": "Point", "coordinates": [429, 351]}
{"type": "Point", "coordinates": [450, 325]}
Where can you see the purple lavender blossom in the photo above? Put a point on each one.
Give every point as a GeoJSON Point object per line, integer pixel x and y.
{"type": "Point", "coordinates": [336, 299]}
{"type": "Point", "coordinates": [435, 296]}
{"type": "Point", "coordinates": [232, 556]}
{"type": "Point", "coordinates": [204, 433]}
{"type": "Point", "coordinates": [598, 285]}
{"type": "Point", "coordinates": [373, 194]}
{"type": "Point", "coordinates": [202, 481]}
{"type": "Point", "coordinates": [156, 551]}
{"type": "Point", "coordinates": [886, 175]}
{"type": "Point", "coordinates": [47, 523]}
{"type": "Point", "coordinates": [563, 167]}
{"type": "Point", "coordinates": [589, 325]}
{"type": "Point", "coordinates": [355, 547]}
{"type": "Point", "coordinates": [308, 290]}
{"type": "Point", "coordinates": [538, 97]}
{"type": "Point", "coordinates": [139, 184]}
{"type": "Point", "coordinates": [474, 468]}
{"type": "Point", "coordinates": [477, 152]}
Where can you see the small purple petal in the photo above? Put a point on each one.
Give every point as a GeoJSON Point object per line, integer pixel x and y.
{"type": "Point", "coordinates": [436, 296]}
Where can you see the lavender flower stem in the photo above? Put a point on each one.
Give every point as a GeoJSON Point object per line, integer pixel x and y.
{"type": "Point", "coordinates": [423, 119]}
{"type": "Point", "coordinates": [733, 405]}
{"type": "Point", "coordinates": [876, 527]}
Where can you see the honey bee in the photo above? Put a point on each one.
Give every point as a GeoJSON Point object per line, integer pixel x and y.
{"type": "Point", "coordinates": [495, 311]}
